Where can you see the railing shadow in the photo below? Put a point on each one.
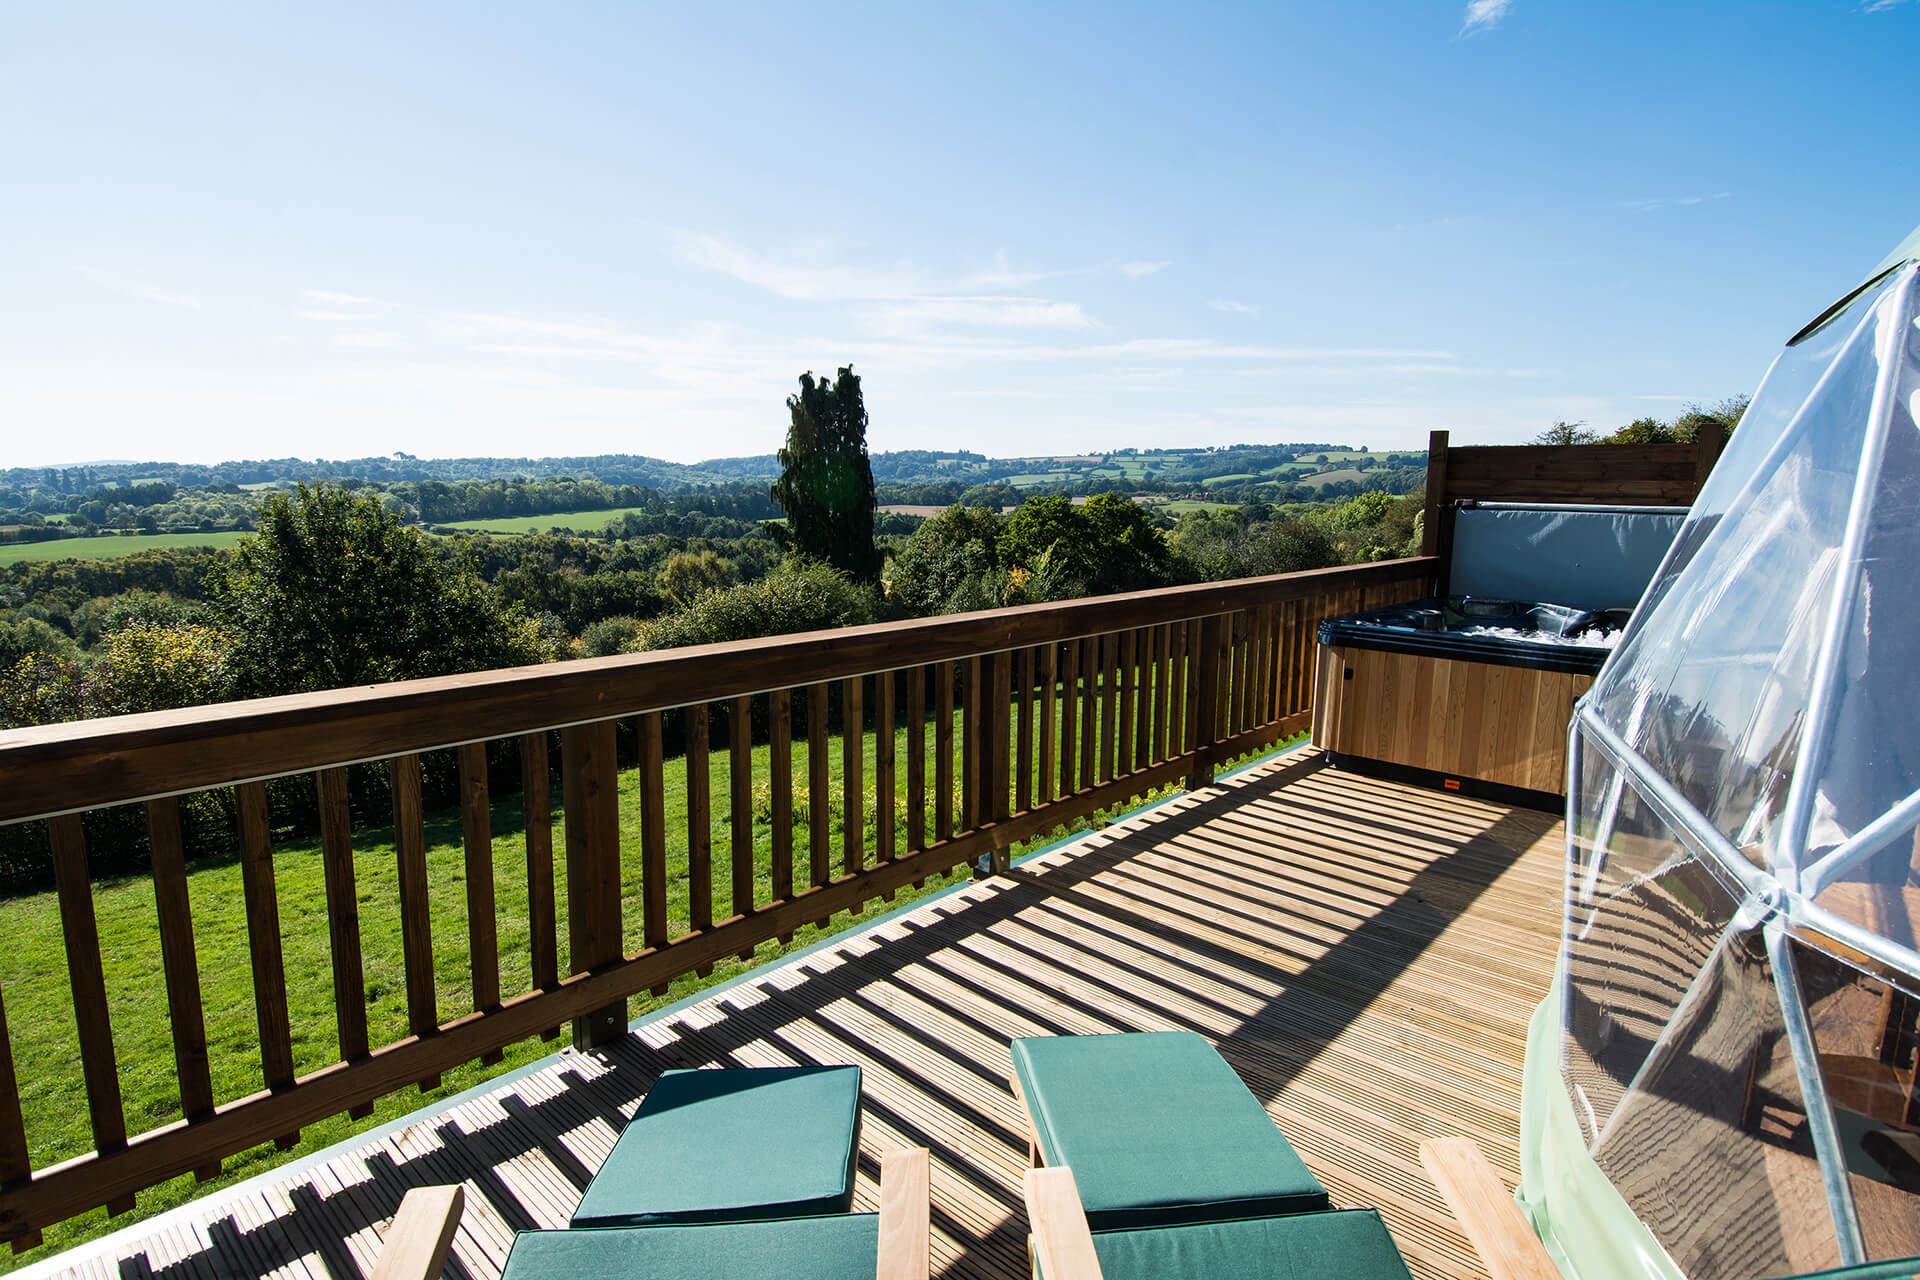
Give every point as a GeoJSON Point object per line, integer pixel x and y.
{"type": "Point", "coordinates": [1146, 931]}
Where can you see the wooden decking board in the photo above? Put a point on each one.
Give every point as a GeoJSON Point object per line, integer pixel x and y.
{"type": "Point", "coordinates": [1395, 923]}
{"type": "Point", "coordinates": [1365, 954]}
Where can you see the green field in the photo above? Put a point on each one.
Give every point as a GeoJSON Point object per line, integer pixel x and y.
{"type": "Point", "coordinates": [110, 545]}
{"type": "Point", "coordinates": [1180, 506]}
{"type": "Point", "coordinates": [1334, 477]}
{"type": "Point", "coordinates": [575, 521]}
{"type": "Point", "coordinates": [39, 1002]}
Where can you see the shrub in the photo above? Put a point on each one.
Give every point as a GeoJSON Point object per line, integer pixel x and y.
{"type": "Point", "coordinates": [801, 595]}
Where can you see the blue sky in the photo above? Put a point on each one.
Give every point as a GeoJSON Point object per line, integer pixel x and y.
{"type": "Point", "coordinates": [249, 231]}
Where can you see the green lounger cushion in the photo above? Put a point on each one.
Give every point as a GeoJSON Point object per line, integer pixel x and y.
{"type": "Point", "coordinates": [1158, 1129]}
{"type": "Point", "coordinates": [1350, 1243]}
{"type": "Point", "coordinates": [842, 1247]}
{"type": "Point", "coordinates": [731, 1146]}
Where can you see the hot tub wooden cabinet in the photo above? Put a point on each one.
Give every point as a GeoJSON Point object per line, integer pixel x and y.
{"type": "Point", "coordinates": [1479, 727]}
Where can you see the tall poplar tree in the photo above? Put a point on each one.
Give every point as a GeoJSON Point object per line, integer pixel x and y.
{"type": "Point", "coordinates": [826, 482]}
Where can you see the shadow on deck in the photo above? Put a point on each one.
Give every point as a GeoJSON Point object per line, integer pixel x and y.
{"type": "Point", "coordinates": [1365, 954]}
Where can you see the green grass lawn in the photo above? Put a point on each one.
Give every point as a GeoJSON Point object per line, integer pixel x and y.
{"type": "Point", "coordinates": [110, 545]}
{"type": "Point", "coordinates": [573, 521]}
{"type": "Point", "coordinates": [39, 1001]}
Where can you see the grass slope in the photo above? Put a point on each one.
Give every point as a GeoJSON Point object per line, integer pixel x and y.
{"type": "Point", "coordinates": [114, 544]}
{"type": "Point", "coordinates": [574, 521]}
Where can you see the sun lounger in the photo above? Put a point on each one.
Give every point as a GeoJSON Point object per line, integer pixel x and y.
{"type": "Point", "coordinates": [889, 1245]}
{"type": "Point", "coordinates": [732, 1146]}
{"type": "Point", "coordinates": [1158, 1130]}
{"type": "Point", "coordinates": [1352, 1243]}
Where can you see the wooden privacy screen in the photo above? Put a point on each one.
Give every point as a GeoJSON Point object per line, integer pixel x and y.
{"type": "Point", "coordinates": [1649, 475]}
{"type": "Point", "coordinates": [971, 732]}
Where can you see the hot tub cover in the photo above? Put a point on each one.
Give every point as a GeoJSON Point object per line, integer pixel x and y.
{"type": "Point", "coordinates": [1723, 1082]}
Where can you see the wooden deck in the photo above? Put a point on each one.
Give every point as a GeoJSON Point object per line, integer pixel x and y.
{"type": "Point", "coordinates": [1365, 954]}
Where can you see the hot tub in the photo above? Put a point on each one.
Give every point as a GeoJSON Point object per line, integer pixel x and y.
{"type": "Point", "coordinates": [1473, 691]}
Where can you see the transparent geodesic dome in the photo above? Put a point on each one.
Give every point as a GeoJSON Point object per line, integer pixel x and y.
{"type": "Point", "coordinates": [1734, 1032]}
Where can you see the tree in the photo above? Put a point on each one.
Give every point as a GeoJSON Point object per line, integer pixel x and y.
{"type": "Point", "coordinates": [689, 573]}
{"type": "Point", "coordinates": [826, 481]}
{"type": "Point", "coordinates": [1566, 433]}
{"type": "Point", "coordinates": [336, 590]}
{"type": "Point", "coordinates": [1726, 414]}
{"type": "Point", "coordinates": [1643, 431]}
{"type": "Point", "coordinates": [1110, 544]}
{"type": "Point", "coordinates": [942, 555]}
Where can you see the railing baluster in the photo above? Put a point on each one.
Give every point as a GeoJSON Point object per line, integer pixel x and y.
{"type": "Point", "coordinates": [1300, 663]}
{"type": "Point", "coordinates": [1179, 724]}
{"type": "Point", "coordinates": [536, 799]}
{"type": "Point", "coordinates": [16, 1162]}
{"type": "Point", "coordinates": [1143, 699]}
{"type": "Point", "coordinates": [416, 919]}
{"type": "Point", "coordinates": [476, 829]}
{"type": "Point", "coordinates": [916, 758]}
{"type": "Point", "coordinates": [343, 919]}
{"type": "Point", "coordinates": [1110, 702]}
{"type": "Point", "coordinates": [1203, 698]}
{"type": "Point", "coordinates": [654, 929]}
{"type": "Point", "coordinates": [853, 780]}
{"type": "Point", "coordinates": [263, 943]}
{"type": "Point", "coordinates": [1069, 716]}
{"type": "Point", "coordinates": [883, 774]}
{"type": "Point", "coordinates": [1269, 663]}
{"type": "Point", "coordinates": [780, 789]}
{"type": "Point", "coordinates": [1049, 709]}
{"type": "Point", "coordinates": [999, 729]}
{"type": "Point", "coordinates": [1089, 710]}
{"type": "Point", "coordinates": [1138, 721]}
{"type": "Point", "coordinates": [943, 751]}
{"type": "Point", "coordinates": [1162, 690]}
{"type": "Point", "coordinates": [1129, 700]}
{"type": "Point", "coordinates": [589, 789]}
{"type": "Point", "coordinates": [181, 964]}
{"type": "Point", "coordinates": [1023, 776]}
{"type": "Point", "coordinates": [87, 979]}
{"type": "Point", "coordinates": [819, 789]}
{"type": "Point", "coordinates": [740, 808]}
{"type": "Point", "coordinates": [699, 820]}
{"type": "Point", "coordinates": [970, 809]}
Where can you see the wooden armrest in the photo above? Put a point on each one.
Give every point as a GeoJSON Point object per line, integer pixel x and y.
{"type": "Point", "coordinates": [1499, 1232]}
{"type": "Point", "coordinates": [1061, 1239]}
{"type": "Point", "coordinates": [903, 1215]}
{"type": "Point", "coordinates": [417, 1244]}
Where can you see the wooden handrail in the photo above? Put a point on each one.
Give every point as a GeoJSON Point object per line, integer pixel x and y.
{"type": "Point", "coordinates": [1132, 693]}
{"type": "Point", "coordinates": [85, 764]}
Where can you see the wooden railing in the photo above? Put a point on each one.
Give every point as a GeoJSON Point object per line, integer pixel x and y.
{"type": "Point", "coordinates": [1012, 722]}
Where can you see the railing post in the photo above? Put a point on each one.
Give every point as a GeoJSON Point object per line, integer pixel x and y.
{"type": "Point", "coordinates": [1436, 498]}
{"type": "Point", "coordinates": [590, 782]}
{"type": "Point", "coordinates": [1710, 439]}
{"type": "Point", "coordinates": [1205, 705]}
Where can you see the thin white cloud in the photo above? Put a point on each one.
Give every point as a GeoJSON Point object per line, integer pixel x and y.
{"type": "Point", "coordinates": [1673, 202]}
{"type": "Point", "coordinates": [1144, 268]}
{"type": "Point", "coordinates": [334, 298]}
{"type": "Point", "coordinates": [1483, 15]}
{"type": "Point", "coordinates": [328, 316]}
{"type": "Point", "coordinates": [375, 340]}
{"type": "Point", "coordinates": [1879, 6]}
{"type": "Point", "coordinates": [981, 312]}
{"type": "Point", "coordinates": [800, 281]}
{"type": "Point", "coordinates": [1238, 308]}
{"type": "Point", "coordinates": [127, 287]}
